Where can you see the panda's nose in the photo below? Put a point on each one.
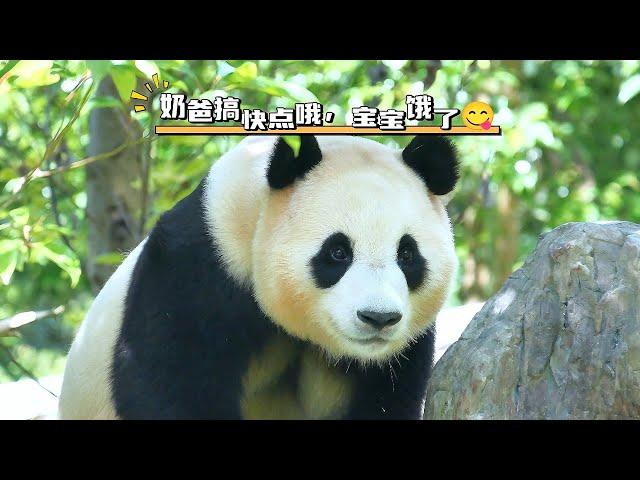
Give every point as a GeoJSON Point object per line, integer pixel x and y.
{"type": "Point", "coordinates": [379, 320]}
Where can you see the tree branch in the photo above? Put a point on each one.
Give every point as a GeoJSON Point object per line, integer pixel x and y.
{"type": "Point", "coordinates": [23, 318]}
{"type": "Point", "coordinates": [38, 173]}
{"type": "Point", "coordinates": [24, 370]}
{"type": "Point", "coordinates": [86, 161]}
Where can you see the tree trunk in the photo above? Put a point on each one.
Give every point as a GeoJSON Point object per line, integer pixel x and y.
{"type": "Point", "coordinates": [560, 340]}
{"type": "Point", "coordinates": [113, 202]}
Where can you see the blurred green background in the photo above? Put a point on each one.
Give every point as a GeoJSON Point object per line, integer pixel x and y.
{"type": "Point", "coordinates": [82, 178]}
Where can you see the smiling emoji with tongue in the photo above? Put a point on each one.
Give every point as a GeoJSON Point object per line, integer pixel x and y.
{"type": "Point", "coordinates": [477, 116]}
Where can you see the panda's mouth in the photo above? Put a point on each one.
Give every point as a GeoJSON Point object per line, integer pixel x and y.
{"type": "Point", "coordinates": [378, 341]}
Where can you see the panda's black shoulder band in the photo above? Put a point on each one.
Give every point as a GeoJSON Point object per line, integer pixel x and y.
{"type": "Point", "coordinates": [285, 167]}
{"type": "Point", "coordinates": [434, 159]}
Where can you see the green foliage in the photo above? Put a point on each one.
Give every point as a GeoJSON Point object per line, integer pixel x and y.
{"type": "Point", "coordinates": [570, 151]}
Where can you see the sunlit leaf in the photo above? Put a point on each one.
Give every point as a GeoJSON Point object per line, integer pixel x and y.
{"type": "Point", "coordinates": [294, 142]}
{"type": "Point", "coordinates": [66, 261]}
{"type": "Point", "coordinates": [99, 68]}
{"type": "Point", "coordinates": [20, 215]}
{"type": "Point", "coordinates": [9, 245]}
{"type": "Point", "coordinates": [247, 71]}
{"type": "Point", "coordinates": [629, 89]}
{"type": "Point", "coordinates": [33, 73]}
{"type": "Point", "coordinates": [223, 68]}
{"type": "Point", "coordinates": [8, 262]}
{"type": "Point", "coordinates": [124, 78]}
{"type": "Point", "coordinates": [148, 68]}
{"type": "Point", "coordinates": [110, 258]}
{"type": "Point", "coordinates": [7, 67]}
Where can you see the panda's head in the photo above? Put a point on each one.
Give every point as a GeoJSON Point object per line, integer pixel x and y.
{"type": "Point", "coordinates": [353, 248]}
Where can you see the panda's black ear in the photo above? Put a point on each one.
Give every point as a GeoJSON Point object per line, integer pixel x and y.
{"type": "Point", "coordinates": [434, 159]}
{"type": "Point", "coordinates": [285, 167]}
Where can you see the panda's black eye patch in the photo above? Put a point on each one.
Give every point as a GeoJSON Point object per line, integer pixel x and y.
{"type": "Point", "coordinates": [411, 262]}
{"type": "Point", "coordinates": [332, 260]}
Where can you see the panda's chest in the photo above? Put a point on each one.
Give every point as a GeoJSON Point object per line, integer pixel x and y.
{"type": "Point", "coordinates": [288, 380]}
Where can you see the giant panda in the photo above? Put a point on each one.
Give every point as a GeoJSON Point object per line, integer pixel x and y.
{"type": "Point", "coordinates": [285, 286]}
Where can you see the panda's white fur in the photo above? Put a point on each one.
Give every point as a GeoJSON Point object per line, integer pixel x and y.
{"type": "Point", "coordinates": [235, 194]}
{"type": "Point", "coordinates": [86, 392]}
{"type": "Point", "coordinates": [266, 238]}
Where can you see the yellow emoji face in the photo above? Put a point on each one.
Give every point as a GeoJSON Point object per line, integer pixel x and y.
{"type": "Point", "coordinates": [477, 116]}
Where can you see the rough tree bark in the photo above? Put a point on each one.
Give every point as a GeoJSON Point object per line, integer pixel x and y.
{"type": "Point", "coordinates": [113, 202]}
{"type": "Point", "coordinates": [560, 340]}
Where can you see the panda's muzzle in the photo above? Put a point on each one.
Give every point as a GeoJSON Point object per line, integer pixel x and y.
{"type": "Point", "coordinates": [379, 320]}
